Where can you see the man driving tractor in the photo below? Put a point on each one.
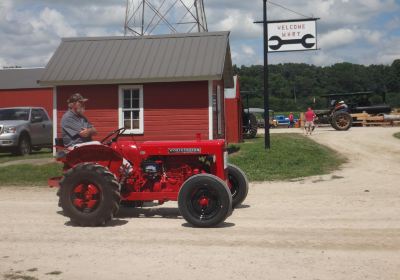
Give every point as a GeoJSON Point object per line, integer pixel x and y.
{"type": "Point", "coordinates": [76, 128]}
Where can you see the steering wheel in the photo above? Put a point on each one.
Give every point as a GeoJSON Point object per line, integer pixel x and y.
{"type": "Point", "coordinates": [117, 133]}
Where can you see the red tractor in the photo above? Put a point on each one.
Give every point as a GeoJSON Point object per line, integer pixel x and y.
{"type": "Point", "coordinates": [98, 178]}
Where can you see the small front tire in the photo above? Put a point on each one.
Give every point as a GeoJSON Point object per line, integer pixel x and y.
{"type": "Point", "coordinates": [204, 200]}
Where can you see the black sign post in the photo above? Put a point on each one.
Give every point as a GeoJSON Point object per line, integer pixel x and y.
{"type": "Point", "coordinates": [295, 38]}
{"type": "Point", "coordinates": [267, 140]}
{"type": "Point", "coordinates": [266, 92]}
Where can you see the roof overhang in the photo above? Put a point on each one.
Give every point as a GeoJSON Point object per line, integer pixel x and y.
{"type": "Point", "coordinates": [130, 81]}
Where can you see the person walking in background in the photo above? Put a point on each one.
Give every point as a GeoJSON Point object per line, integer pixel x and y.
{"type": "Point", "coordinates": [310, 117]}
{"type": "Point", "coordinates": [291, 120]}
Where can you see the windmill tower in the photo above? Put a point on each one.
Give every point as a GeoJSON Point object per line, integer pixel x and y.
{"type": "Point", "coordinates": [146, 17]}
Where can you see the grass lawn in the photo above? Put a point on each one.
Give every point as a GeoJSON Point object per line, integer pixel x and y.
{"type": "Point", "coordinates": [28, 175]}
{"type": "Point", "coordinates": [291, 156]}
{"type": "Point", "coordinates": [397, 135]}
{"type": "Point", "coordinates": [45, 153]}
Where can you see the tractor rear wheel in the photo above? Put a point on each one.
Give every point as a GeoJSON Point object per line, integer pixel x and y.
{"type": "Point", "coordinates": [204, 200]}
{"type": "Point", "coordinates": [341, 121]}
{"type": "Point", "coordinates": [238, 183]}
{"type": "Point", "coordinates": [89, 194]}
{"type": "Point", "coordinates": [251, 126]}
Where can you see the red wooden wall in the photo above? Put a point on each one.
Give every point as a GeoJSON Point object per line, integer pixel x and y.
{"type": "Point", "coordinates": [172, 111]}
{"type": "Point", "coordinates": [37, 97]}
{"type": "Point", "coordinates": [101, 109]}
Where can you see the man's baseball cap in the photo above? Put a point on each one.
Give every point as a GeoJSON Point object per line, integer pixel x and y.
{"type": "Point", "coordinates": [76, 97]}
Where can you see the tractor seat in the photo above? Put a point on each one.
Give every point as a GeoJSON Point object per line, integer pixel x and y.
{"type": "Point", "coordinates": [61, 151]}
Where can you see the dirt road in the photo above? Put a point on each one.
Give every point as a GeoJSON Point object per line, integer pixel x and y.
{"type": "Point", "coordinates": [344, 225]}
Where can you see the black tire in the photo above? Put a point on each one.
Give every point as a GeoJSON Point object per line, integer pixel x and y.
{"type": "Point", "coordinates": [238, 183]}
{"type": "Point", "coordinates": [24, 146]}
{"type": "Point", "coordinates": [204, 200]}
{"type": "Point", "coordinates": [251, 126]}
{"type": "Point", "coordinates": [341, 121]}
{"type": "Point", "coordinates": [89, 194]}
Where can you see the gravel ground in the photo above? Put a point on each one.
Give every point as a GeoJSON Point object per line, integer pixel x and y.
{"type": "Point", "coordinates": [345, 225]}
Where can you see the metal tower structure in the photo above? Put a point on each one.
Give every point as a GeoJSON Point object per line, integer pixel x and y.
{"type": "Point", "coordinates": [146, 17]}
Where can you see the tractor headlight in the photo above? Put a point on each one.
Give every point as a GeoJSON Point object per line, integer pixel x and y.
{"type": "Point", "coordinates": [10, 129]}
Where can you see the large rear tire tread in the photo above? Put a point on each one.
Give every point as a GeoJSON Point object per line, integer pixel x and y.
{"type": "Point", "coordinates": [239, 184]}
{"type": "Point", "coordinates": [108, 186]}
{"type": "Point", "coordinates": [215, 185]}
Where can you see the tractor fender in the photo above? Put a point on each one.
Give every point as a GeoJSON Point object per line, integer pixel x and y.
{"type": "Point", "coordinates": [100, 154]}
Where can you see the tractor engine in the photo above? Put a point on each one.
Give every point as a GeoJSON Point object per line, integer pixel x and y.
{"type": "Point", "coordinates": [152, 170]}
{"type": "Point", "coordinates": [165, 174]}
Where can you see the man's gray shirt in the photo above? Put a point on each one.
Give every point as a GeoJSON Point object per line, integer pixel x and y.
{"type": "Point", "coordinates": [72, 124]}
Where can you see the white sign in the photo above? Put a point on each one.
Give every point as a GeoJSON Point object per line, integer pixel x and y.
{"type": "Point", "coordinates": [292, 36]}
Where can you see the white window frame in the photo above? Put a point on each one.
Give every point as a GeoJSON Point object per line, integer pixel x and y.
{"type": "Point", "coordinates": [121, 105]}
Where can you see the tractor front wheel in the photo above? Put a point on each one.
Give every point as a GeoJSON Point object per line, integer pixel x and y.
{"type": "Point", "coordinates": [204, 200]}
{"type": "Point", "coordinates": [238, 183]}
{"type": "Point", "coordinates": [89, 195]}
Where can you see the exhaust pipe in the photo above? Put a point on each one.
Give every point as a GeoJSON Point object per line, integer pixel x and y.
{"type": "Point", "coordinates": [391, 117]}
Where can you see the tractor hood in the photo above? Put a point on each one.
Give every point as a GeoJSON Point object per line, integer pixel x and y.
{"type": "Point", "coordinates": [182, 147]}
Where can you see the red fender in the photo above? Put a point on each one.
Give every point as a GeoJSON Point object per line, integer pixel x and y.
{"type": "Point", "coordinates": [100, 154]}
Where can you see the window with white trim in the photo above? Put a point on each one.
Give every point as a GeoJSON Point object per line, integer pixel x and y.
{"type": "Point", "coordinates": [131, 109]}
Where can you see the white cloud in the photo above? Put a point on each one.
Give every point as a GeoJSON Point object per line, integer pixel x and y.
{"type": "Point", "coordinates": [394, 23]}
{"type": "Point", "coordinates": [28, 38]}
{"type": "Point", "coordinates": [52, 21]}
{"type": "Point", "coordinates": [30, 31]}
{"type": "Point", "coordinates": [324, 59]}
{"type": "Point", "coordinates": [338, 38]}
{"type": "Point", "coordinates": [373, 37]}
{"type": "Point", "coordinates": [240, 24]}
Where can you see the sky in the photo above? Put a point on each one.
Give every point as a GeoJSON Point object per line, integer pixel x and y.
{"type": "Point", "coordinates": [357, 31]}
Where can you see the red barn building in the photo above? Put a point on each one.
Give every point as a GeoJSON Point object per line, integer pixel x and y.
{"type": "Point", "coordinates": [19, 88]}
{"type": "Point", "coordinates": [167, 87]}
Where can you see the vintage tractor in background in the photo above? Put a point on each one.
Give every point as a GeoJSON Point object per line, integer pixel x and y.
{"type": "Point", "coordinates": [357, 102]}
{"type": "Point", "coordinates": [250, 124]}
{"type": "Point", "coordinates": [338, 119]}
{"type": "Point", "coordinates": [99, 177]}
